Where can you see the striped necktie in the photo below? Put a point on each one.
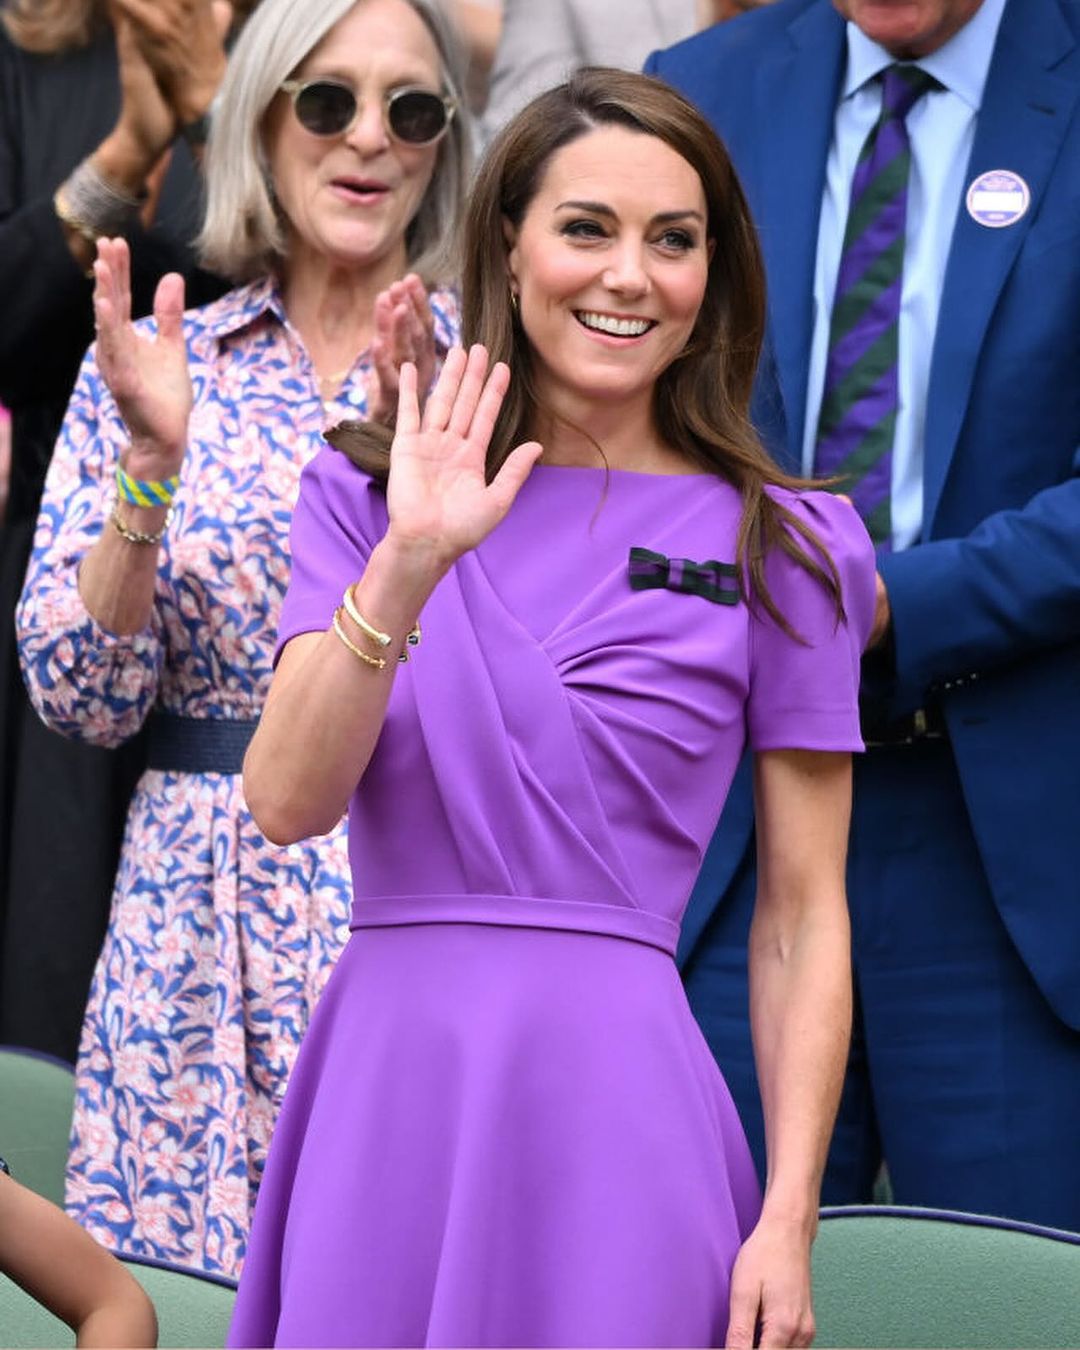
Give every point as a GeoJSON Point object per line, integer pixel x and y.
{"type": "Point", "coordinates": [860, 399]}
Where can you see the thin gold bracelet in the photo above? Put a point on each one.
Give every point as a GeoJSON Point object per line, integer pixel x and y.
{"type": "Point", "coordinates": [412, 638]}
{"type": "Point", "coordinates": [376, 662]}
{"type": "Point", "coordinates": [137, 536]}
{"type": "Point", "coordinates": [375, 634]}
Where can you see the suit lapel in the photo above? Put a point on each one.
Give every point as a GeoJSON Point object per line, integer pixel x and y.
{"type": "Point", "coordinates": [1023, 119]}
{"type": "Point", "coordinates": [797, 85]}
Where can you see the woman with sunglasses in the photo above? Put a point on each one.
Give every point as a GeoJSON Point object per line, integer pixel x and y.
{"type": "Point", "coordinates": [335, 175]}
{"type": "Point", "coordinates": [505, 1128]}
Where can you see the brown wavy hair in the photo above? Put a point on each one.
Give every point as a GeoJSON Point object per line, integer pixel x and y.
{"type": "Point", "coordinates": [702, 400]}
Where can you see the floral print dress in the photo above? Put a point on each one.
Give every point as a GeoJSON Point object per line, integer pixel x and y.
{"type": "Point", "coordinates": [218, 942]}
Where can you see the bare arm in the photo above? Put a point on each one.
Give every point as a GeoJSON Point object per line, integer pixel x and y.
{"type": "Point", "coordinates": [800, 1012]}
{"type": "Point", "coordinates": [61, 1266]}
{"type": "Point", "coordinates": [149, 379]}
{"type": "Point", "coordinates": [144, 129]}
{"type": "Point", "coordinates": [479, 26]}
{"type": "Point", "coordinates": [326, 705]}
{"type": "Point", "coordinates": [171, 58]}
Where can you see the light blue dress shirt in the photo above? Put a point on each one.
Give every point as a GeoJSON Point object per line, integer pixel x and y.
{"type": "Point", "coordinates": [941, 128]}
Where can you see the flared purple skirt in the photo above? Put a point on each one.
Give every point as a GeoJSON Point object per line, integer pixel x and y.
{"type": "Point", "coordinates": [499, 1136]}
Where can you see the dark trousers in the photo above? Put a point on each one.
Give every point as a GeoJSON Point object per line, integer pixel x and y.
{"type": "Point", "coordinates": [960, 1076]}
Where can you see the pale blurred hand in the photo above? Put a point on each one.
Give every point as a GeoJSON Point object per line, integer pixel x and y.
{"type": "Point", "coordinates": [404, 331]}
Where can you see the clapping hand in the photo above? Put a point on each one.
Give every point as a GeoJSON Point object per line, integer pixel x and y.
{"type": "Point", "coordinates": [146, 117]}
{"type": "Point", "coordinates": [404, 331]}
{"type": "Point", "coordinates": [183, 41]}
{"type": "Point", "coordinates": [147, 375]}
{"type": "Point", "coordinates": [440, 503]}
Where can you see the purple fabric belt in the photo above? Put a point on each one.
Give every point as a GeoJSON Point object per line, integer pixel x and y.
{"type": "Point", "coordinates": [519, 911]}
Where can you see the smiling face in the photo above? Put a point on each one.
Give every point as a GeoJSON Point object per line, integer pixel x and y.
{"type": "Point", "coordinates": [350, 198]}
{"type": "Point", "coordinates": [609, 265]}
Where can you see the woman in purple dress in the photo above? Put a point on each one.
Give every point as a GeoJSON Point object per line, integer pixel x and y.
{"type": "Point", "coordinates": [504, 1127]}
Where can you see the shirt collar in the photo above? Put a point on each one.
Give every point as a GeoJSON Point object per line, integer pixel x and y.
{"type": "Point", "coordinates": [242, 307]}
{"type": "Point", "coordinates": [961, 64]}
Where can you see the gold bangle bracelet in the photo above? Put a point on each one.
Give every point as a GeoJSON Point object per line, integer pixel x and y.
{"type": "Point", "coordinates": [137, 536]}
{"type": "Point", "coordinates": [412, 638]}
{"type": "Point", "coordinates": [375, 634]}
{"type": "Point", "coordinates": [376, 662]}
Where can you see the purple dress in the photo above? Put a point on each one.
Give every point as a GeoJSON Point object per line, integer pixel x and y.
{"type": "Point", "coordinates": [504, 1127]}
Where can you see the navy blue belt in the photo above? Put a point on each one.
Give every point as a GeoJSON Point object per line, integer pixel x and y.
{"type": "Point", "coordinates": [198, 744]}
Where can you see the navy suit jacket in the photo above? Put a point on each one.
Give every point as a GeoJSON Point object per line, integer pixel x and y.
{"type": "Point", "coordinates": [986, 606]}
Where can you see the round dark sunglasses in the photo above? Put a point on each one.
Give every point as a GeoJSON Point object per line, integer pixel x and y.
{"type": "Point", "coordinates": [329, 108]}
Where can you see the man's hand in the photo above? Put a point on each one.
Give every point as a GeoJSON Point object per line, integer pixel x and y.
{"type": "Point", "coordinates": [183, 41]}
{"type": "Point", "coordinates": [147, 123]}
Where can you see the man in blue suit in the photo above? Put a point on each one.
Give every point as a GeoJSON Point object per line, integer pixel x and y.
{"type": "Point", "coordinates": [964, 868]}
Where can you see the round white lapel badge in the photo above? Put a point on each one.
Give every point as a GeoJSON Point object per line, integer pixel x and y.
{"type": "Point", "coordinates": [998, 198]}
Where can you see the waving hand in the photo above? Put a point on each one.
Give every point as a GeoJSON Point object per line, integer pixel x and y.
{"type": "Point", "coordinates": [438, 496]}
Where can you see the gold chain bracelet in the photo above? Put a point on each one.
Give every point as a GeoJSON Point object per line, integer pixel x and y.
{"type": "Point", "coordinates": [137, 536]}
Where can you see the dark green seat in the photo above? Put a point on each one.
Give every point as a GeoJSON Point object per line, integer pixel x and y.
{"type": "Point", "coordinates": [192, 1310]}
{"type": "Point", "coordinates": [918, 1278]}
{"type": "Point", "coordinates": [37, 1094]}
{"type": "Point", "coordinates": [26, 1323]}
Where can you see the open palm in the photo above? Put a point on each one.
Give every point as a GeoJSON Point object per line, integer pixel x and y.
{"type": "Point", "coordinates": [147, 375]}
{"type": "Point", "coordinates": [438, 497]}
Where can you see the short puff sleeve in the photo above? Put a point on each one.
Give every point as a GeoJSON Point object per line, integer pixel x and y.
{"type": "Point", "coordinates": [340, 516]}
{"type": "Point", "coordinates": [804, 690]}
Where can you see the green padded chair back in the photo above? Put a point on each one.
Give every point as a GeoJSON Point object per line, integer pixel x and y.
{"type": "Point", "coordinates": [24, 1323]}
{"type": "Point", "coordinates": [193, 1310]}
{"type": "Point", "coordinates": [37, 1094]}
{"type": "Point", "coordinates": [923, 1279]}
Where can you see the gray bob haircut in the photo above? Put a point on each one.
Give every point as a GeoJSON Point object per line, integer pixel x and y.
{"type": "Point", "coordinates": [242, 237]}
